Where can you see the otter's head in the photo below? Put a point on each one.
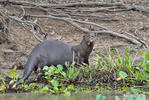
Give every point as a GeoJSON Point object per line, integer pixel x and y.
{"type": "Point", "coordinates": [90, 38]}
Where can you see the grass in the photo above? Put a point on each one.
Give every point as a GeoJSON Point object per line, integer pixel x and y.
{"type": "Point", "coordinates": [114, 71]}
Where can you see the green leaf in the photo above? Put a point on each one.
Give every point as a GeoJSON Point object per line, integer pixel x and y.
{"type": "Point", "coordinates": [62, 88]}
{"type": "Point", "coordinates": [70, 72]}
{"type": "Point", "coordinates": [2, 80]}
{"type": "Point", "coordinates": [117, 98]}
{"type": "Point", "coordinates": [11, 74]}
{"type": "Point", "coordinates": [51, 69]}
{"type": "Point", "coordinates": [64, 74]}
{"type": "Point", "coordinates": [71, 87]}
{"type": "Point", "coordinates": [147, 67]}
{"type": "Point", "coordinates": [56, 90]}
{"type": "Point", "coordinates": [128, 67]}
{"type": "Point", "coordinates": [17, 76]}
{"type": "Point", "coordinates": [139, 76]}
{"type": "Point", "coordinates": [123, 75]}
{"type": "Point", "coordinates": [54, 83]}
{"type": "Point", "coordinates": [60, 67]}
{"type": "Point", "coordinates": [45, 89]}
{"type": "Point", "coordinates": [145, 73]}
{"type": "Point", "coordinates": [46, 73]}
{"type": "Point", "coordinates": [66, 92]}
{"type": "Point", "coordinates": [100, 63]}
{"type": "Point", "coordinates": [143, 62]}
{"type": "Point", "coordinates": [87, 68]}
{"type": "Point", "coordinates": [45, 68]}
{"type": "Point", "coordinates": [48, 77]}
{"type": "Point", "coordinates": [2, 89]}
{"type": "Point", "coordinates": [142, 52]}
{"type": "Point", "coordinates": [147, 56]}
{"type": "Point", "coordinates": [120, 60]}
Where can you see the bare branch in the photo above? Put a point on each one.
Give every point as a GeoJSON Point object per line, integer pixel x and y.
{"type": "Point", "coordinates": [89, 4]}
{"type": "Point", "coordinates": [66, 19]}
{"type": "Point", "coordinates": [72, 22]}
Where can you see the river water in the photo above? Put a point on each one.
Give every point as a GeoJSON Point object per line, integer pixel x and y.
{"type": "Point", "coordinates": [46, 96]}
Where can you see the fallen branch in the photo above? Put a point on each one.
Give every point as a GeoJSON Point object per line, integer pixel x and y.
{"type": "Point", "coordinates": [72, 22]}
{"type": "Point", "coordinates": [89, 4]}
{"type": "Point", "coordinates": [103, 9]}
{"type": "Point", "coordinates": [139, 8]}
{"type": "Point", "coordinates": [65, 19]}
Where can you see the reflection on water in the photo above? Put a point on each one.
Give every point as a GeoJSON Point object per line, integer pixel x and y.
{"type": "Point", "coordinates": [29, 96]}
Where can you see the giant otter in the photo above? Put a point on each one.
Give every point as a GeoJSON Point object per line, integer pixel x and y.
{"type": "Point", "coordinates": [54, 52]}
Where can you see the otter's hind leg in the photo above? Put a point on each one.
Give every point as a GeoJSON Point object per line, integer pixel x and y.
{"type": "Point", "coordinates": [31, 63]}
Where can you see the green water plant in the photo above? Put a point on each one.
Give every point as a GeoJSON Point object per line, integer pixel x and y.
{"type": "Point", "coordinates": [13, 76]}
{"type": "Point", "coordinates": [58, 78]}
{"type": "Point", "coordinates": [7, 84]}
{"type": "Point", "coordinates": [145, 64]}
{"type": "Point", "coordinates": [122, 63]}
{"type": "Point", "coordinates": [3, 85]}
{"type": "Point", "coordinates": [111, 70]}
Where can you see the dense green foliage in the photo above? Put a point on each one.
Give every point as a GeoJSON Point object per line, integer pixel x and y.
{"type": "Point", "coordinates": [113, 71]}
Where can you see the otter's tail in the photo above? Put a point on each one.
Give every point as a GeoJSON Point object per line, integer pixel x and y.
{"type": "Point", "coordinates": [28, 69]}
